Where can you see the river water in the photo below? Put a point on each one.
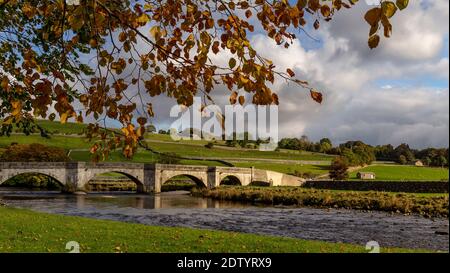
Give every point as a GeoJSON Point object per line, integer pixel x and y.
{"type": "Point", "coordinates": [181, 209]}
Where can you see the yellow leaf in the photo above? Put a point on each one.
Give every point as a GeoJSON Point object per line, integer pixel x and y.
{"type": "Point", "coordinates": [154, 31]}
{"type": "Point", "coordinates": [143, 19]}
{"type": "Point", "coordinates": [63, 118]}
{"type": "Point", "coordinates": [16, 108]}
{"type": "Point", "coordinates": [388, 8]}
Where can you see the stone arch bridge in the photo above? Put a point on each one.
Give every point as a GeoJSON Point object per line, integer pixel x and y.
{"type": "Point", "coordinates": [74, 176]}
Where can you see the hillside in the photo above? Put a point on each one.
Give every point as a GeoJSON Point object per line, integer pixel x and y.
{"type": "Point", "coordinates": [69, 137]}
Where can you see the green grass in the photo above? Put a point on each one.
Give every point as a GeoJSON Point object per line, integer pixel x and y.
{"type": "Point", "coordinates": [67, 128]}
{"type": "Point", "coordinates": [409, 173]}
{"type": "Point", "coordinates": [27, 231]}
{"type": "Point", "coordinates": [286, 168]}
{"type": "Point", "coordinates": [200, 151]}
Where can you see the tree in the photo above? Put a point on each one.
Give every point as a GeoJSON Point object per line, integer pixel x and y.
{"type": "Point", "coordinates": [150, 128]}
{"type": "Point", "coordinates": [404, 150]}
{"type": "Point", "coordinates": [62, 54]}
{"type": "Point", "coordinates": [325, 145]}
{"type": "Point", "coordinates": [402, 160]}
{"type": "Point", "coordinates": [357, 153]}
{"type": "Point", "coordinates": [441, 161]}
{"type": "Point", "coordinates": [339, 169]}
{"type": "Point", "coordinates": [427, 161]}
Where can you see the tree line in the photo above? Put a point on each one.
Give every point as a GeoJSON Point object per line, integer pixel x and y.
{"type": "Point", "coordinates": [359, 153]}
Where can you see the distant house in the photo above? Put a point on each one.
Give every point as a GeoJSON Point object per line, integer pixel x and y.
{"type": "Point", "coordinates": [365, 175]}
{"type": "Point", "coordinates": [418, 163]}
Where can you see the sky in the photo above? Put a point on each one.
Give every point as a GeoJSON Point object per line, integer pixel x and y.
{"type": "Point", "coordinates": [396, 93]}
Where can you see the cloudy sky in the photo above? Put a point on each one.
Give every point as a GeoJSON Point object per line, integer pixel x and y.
{"type": "Point", "coordinates": [393, 94]}
{"type": "Point", "coordinates": [396, 93]}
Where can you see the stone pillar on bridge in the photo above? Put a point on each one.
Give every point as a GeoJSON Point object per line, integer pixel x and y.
{"type": "Point", "coordinates": [72, 178]}
{"type": "Point", "coordinates": [149, 181]}
{"type": "Point", "coordinates": [213, 177]}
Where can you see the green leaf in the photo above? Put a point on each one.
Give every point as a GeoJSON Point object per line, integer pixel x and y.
{"type": "Point", "coordinates": [232, 63]}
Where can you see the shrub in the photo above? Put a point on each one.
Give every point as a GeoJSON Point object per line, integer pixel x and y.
{"type": "Point", "coordinates": [209, 145]}
{"type": "Point", "coordinates": [169, 158]}
{"type": "Point", "coordinates": [339, 169]}
{"type": "Point", "coordinates": [33, 153]}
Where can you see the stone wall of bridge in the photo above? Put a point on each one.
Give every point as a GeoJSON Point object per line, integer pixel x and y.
{"type": "Point", "coordinates": [149, 177]}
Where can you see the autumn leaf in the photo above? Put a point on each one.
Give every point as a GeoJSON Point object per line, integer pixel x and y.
{"type": "Point", "coordinates": [290, 72]}
{"type": "Point", "coordinates": [388, 8]}
{"type": "Point", "coordinates": [402, 4]}
{"type": "Point", "coordinates": [141, 121]}
{"type": "Point", "coordinates": [374, 40]}
{"type": "Point", "coordinates": [275, 99]}
{"type": "Point", "coordinates": [241, 100]}
{"type": "Point", "coordinates": [325, 10]}
{"type": "Point", "coordinates": [317, 96]}
{"type": "Point", "coordinates": [16, 108]}
{"type": "Point", "coordinates": [233, 97]}
{"type": "Point", "coordinates": [373, 16]}
{"type": "Point", "coordinates": [63, 117]}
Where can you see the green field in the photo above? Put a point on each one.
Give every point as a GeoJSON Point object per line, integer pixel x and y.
{"type": "Point", "coordinates": [57, 128]}
{"type": "Point", "coordinates": [399, 173]}
{"type": "Point", "coordinates": [288, 168]}
{"type": "Point", "coordinates": [50, 233]}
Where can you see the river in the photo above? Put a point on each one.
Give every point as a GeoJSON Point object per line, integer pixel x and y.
{"type": "Point", "coordinates": [181, 209]}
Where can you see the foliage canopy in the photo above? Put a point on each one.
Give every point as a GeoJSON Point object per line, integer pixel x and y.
{"type": "Point", "coordinates": [93, 57]}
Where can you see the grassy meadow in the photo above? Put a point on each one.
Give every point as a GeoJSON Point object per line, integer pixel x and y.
{"type": "Point", "coordinates": [406, 173]}
{"type": "Point", "coordinates": [50, 233]}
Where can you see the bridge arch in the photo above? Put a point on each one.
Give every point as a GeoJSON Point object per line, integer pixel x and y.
{"type": "Point", "coordinates": [198, 180]}
{"type": "Point", "coordinates": [60, 180]}
{"type": "Point", "coordinates": [93, 173]}
{"type": "Point", "coordinates": [230, 180]}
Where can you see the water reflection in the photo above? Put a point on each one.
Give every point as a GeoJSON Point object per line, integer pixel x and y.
{"type": "Point", "coordinates": [165, 200]}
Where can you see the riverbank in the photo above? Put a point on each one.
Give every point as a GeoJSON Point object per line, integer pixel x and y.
{"type": "Point", "coordinates": [28, 231]}
{"type": "Point", "coordinates": [427, 205]}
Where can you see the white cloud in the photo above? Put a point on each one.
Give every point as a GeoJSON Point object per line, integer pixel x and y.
{"type": "Point", "coordinates": [355, 106]}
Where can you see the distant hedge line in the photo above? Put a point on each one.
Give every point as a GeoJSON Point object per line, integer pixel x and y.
{"type": "Point", "coordinates": [391, 186]}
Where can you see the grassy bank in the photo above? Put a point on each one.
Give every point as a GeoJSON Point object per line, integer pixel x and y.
{"type": "Point", "coordinates": [404, 173]}
{"type": "Point", "coordinates": [27, 231]}
{"type": "Point", "coordinates": [428, 205]}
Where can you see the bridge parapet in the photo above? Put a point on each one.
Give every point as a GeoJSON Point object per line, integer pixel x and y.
{"type": "Point", "coordinates": [37, 165]}
{"type": "Point", "coordinates": [112, 165]}
{"type": "Point", "coordinates": [182, 167]}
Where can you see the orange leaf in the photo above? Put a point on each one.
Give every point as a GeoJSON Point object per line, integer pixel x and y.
{"type": "Point", "coordinates": [290, 72]}
{"type": "Point", "coordinates": [233, 97]}
{"type": "Point", "coordinates": [317, 96]}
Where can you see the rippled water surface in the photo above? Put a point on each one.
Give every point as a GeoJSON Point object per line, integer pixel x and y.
{"type": "Point", "coordinates": [180, 209]}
